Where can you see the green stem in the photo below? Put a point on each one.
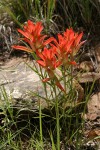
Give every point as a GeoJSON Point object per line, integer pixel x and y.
{"type": "Point", "coordinates": [72, 73]}
{"type": "Point", "coordinates": [45, 89]}
{"type": "Point", "coordinates": [40, 121]}
{"type": "Point", "coordinates": [44, 84]}
{"type": "Point", "coordinates": [71, 78]}
{"type": "Point", "coordinates": [64, 77]}
{"type": "Point", "coordinates": [57, 119]}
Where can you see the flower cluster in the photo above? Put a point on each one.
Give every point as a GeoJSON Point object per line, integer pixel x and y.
{"type": "Point", "coordinates": [60, 52]}
{"type": "Point", "coordinates": [33, 37]}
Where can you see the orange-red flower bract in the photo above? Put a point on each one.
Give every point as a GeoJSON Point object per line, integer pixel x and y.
{"type": "Point", "coordinates": [67, 46]}
{"type": "Point", "coordinates": [48, 60]}
{"type": "Point", "coordinates": [23, 48]}
{"type": "Point", "coordinates": [75, 38]}
{"type": "Point", "coordinates": [63, 49]}
{"type": "Point", "coordinates": [33, 37]}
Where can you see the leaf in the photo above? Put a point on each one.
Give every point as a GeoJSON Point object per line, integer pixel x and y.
{"type": "Point", "coordinates": [86, 66]}
{"type": "Point", "coordinates": [88, 77]}
{"type": "Point", "coordinates": [97, 52]}
{"type": "Point", "coordinates": [94, 107]}
{"type": "Point", "coordinates": [93, 133]}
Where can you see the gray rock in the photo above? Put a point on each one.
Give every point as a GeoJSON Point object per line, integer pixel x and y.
{"type": "Point", "coordinates": [21, 83]}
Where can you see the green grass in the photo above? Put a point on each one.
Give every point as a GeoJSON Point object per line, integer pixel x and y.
{"type": "Point", "coordinates": [20, 11]}
{"type": "Point", "coordinates": [76, 13]}
{"type": "Point", "coordinates": [56, 15]}
{"type": "Point", "coordinates": [52, 128]}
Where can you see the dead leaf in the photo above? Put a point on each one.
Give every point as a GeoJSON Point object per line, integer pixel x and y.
{"type": "Point", "coordinates": [86, 66]}
{"type": "Point", "coordinates": [97, 52]}
{"type": "Point", "coordinates": [93, 107]}
{"type": "Point", "coordinates": [93, 133]}
{"type": "Point", "coordinates": [88, 77]}
{"type": "Point", "coordinates": [92, 116]}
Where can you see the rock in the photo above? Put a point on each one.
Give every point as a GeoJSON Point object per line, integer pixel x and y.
{"type": "Point", "coordinates": [20, 83]}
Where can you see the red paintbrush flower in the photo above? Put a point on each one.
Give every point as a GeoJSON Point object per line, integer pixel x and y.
{"type": "Point", "coordinates": [32, 36]}
{"type": "Point", "coordinates": [75, 38]}
{"type": "Point", "coordinates": [49, 62]}
{"type": "Point", "coordinates": [67, 46]}
{"type": "Point", "coordinates": [63, 48]}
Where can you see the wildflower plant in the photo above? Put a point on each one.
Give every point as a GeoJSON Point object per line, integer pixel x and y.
{"type": "Point", "coordinates": [60, 52]}
{"type": "Point", "coordinates": [55, 56]}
